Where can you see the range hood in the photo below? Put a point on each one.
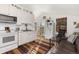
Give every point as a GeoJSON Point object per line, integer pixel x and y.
{"type": "Point", "coordinates": [7, 19]}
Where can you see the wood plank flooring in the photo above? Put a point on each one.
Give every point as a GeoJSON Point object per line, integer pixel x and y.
{"type": "Point", "coordinates": [24, 49]}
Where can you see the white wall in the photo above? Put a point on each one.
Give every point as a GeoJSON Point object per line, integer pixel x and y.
{"type": "Point", "coordinates": [54, 9]}
{"type": "Point", "coordinates": [70, 24]}
{"type": "Point", "coordinates": [70, 21]}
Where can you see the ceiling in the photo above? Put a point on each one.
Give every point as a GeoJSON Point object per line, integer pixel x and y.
{"type": "Point", "coordinates": [54, 9]}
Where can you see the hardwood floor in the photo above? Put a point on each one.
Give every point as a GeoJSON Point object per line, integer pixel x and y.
{"type": "Point", "coordinates": [64, 47]}
{"type": "Point", "coordinates": [24, 49]}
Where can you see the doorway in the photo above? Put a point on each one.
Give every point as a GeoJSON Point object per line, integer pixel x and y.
{"type": "Point", "coordinates": [61, 27]}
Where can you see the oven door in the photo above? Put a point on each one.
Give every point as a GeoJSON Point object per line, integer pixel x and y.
{"type": "Point", "coordinates": [7, 39]}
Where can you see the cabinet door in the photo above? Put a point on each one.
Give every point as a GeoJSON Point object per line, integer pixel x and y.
{"type": "Point", "coordinates": [25, 37]}
{"type": "Point", "coordinates": [19, 16]}
{"type": "Point", "coordinates": [23, 17]}
{"type": "Point", "coordinates": [4, 8]}
{"type": "Point", "coordinates": [28, 18]}
{"type": "Point", "coordinates": [12, 10]}
{"type": "Point", "coordinates": [32, 36]}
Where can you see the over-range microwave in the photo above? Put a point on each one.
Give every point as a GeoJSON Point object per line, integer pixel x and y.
{"type": "Point", "coordinates": [7, 19]}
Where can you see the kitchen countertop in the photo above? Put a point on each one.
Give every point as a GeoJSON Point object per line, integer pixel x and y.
{"type": "Point", "coordinates": [7, 34]}
{"type": "Point", "coordinates": [27, 31]}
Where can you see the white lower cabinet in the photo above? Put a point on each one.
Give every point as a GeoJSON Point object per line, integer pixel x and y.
{"type": "Point", "coordinates": [25, 37]}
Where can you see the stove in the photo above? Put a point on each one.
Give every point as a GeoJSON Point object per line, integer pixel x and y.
{"type": "Point", "coordinates": [8, 37]}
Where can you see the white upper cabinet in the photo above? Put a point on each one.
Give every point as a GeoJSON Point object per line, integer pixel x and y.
{"type": "Point", "coordinates": [4, 8]}
{"type": "Point", "coordinates": [29, 18]}
{"type": "Point", "coordinates": [19, 17]}
{"type": "Point", "coordinates": [22, 16]}
{"type": "Point", "coordinates": [12, 10]}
